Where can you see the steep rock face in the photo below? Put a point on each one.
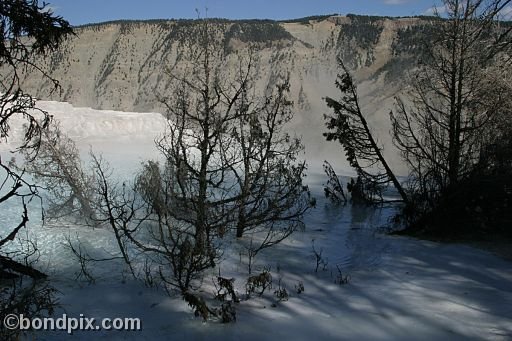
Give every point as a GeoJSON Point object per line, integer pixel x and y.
{"type": "Point", "coordinates": [123, 65]}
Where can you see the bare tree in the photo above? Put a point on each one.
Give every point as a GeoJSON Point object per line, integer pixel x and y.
{"type": "Point", "coordinates": [228, 157]}
{"type": "Point", "coordinates": [58, 168]}
{"type": "Point", "coordinates": [455, 96]}
{"type": "Point", "coordinates": [272, 198]}
{"type": "Point", "coordinates": [28, 33]}
{"type": "Point", "coordinates": [200, 110]}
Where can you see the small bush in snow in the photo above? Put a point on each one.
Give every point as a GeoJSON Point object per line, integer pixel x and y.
{"type": "Point", "coordinates": [259, 282]}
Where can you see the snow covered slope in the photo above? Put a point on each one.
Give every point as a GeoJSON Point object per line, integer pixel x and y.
{"type": "Point", "coordinates": [399, 289]}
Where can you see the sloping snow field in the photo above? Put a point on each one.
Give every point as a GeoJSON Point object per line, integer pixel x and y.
{"type": "Point", "coordinates": [399, 288]}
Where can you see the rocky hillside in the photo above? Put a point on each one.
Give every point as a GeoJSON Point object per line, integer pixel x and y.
{"type": "Point", "coordinates": [121, 65]}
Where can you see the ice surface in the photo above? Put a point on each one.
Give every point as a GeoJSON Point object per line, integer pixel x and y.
{"type": "Point", "coordinates": [400, 288]}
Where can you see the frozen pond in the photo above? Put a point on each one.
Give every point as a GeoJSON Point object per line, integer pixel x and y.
{"type": "Point", "coordinates": [353, 236]}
